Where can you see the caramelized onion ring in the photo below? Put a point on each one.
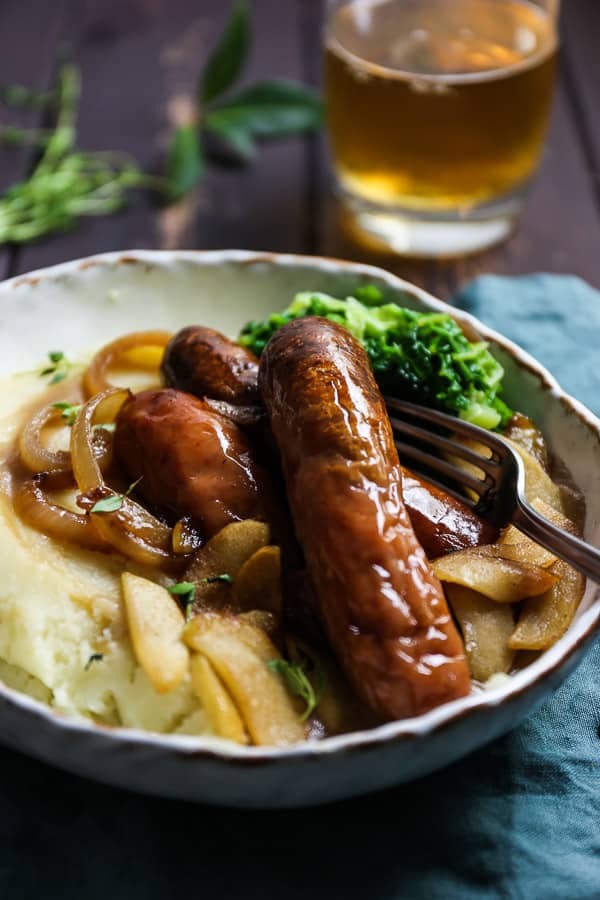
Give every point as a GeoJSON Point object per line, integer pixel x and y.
{"type": "Point", "coordinates": [34, 507]}
{"type": "Point", "coordinates": [95, 379]}
{"type": "Point", "coordinates": [39, 458]}
{"type": "Point", "coordinates": [35, 456]}
{"type": "Point", "coordinates": [130, 529]}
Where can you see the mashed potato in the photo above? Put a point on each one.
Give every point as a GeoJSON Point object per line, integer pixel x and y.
{"type": "Point", "coordinates": [61, 606]}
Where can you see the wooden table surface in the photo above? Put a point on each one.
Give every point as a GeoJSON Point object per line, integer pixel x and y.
{"type": "Point", "coordinates": [138, 56]}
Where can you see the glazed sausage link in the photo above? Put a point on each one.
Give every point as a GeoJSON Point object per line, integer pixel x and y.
{"type": "Point", "coordinates": [384, 611]}
{"type": "Point", "coordinates": [442, 524]}
{"type": "Point", "coordinates": [192, 461]}
{"type": "Point", "coordinates": [205, 363]}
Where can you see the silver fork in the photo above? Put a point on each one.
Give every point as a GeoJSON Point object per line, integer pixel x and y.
{"type": "Point", "coordinates": [501, 493]}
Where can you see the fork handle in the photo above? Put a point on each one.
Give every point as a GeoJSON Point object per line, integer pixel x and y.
{"type": "Point", "coordinates": [579, 554]}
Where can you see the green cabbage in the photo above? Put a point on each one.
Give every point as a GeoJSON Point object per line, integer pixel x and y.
{"type": "Point", "coordinates": [424, 357]}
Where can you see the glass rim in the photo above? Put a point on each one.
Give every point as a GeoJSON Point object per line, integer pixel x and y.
{"type": "Point", "coordinates": [359, 62]}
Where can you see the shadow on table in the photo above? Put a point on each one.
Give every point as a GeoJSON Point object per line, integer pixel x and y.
{"type": "Point", "coordinates": [64, 837]}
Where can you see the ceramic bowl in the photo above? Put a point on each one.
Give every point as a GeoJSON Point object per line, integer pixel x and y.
{"type": "Point", "coordinates": [88, 302]}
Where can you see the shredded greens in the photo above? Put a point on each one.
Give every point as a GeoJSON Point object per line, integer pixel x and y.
{"type": "Point", "coordinates": [418, 356]}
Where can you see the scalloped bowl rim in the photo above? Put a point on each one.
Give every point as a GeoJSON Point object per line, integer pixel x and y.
{"type": "Point", "coordinates": [436, 719]}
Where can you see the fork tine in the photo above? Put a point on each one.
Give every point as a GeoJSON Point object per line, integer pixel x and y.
{"type": "Point", "coordinates": [489, 466]}
{"type": "Point", "coordinates": [452, 423]}
{"type": "Point", "coordinates": [444, 468]}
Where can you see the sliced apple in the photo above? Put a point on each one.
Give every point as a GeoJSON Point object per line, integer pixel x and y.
{"type": "Point", "coordinates": [155, 626]}
{"type": "Point", "coordinates": [258, 582]}
{"type": "Point", "coordinates": [522, 431]}
{"type": "Point", "coordinates": [533, 552]}
{"type": "Point", "coordinates": [239, 653]}
{"type": "Point", "coordinates": [545, 619]}
{"type": "Point", "coordinates": [538, 484]}
{"type": "Point", "coordinates": [468, 467]}
{"type": "Point", "coordinates": [502, 580]}
{"type": "Point", "coordinates": [523, 551]}
{"type": "Point", "coordinates": [220, 709]}
{"type": "Point", "coordinates": [224, 554]}
{"type": "Point", "coordinates": [486, 627]}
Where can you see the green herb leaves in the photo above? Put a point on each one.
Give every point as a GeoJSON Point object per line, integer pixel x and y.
{"type": "Point", "coordinates": [298, 682]}
{"type": "Point", "coordinates": [59, 366]}
{"type": "Point", "coordinates": [108, 504]}
{"type": "Point", "coordinates": [227, 60]}
{"type": "Point", "coordinates": [271, 109]}
{"type": "Point", "coordinates": [185, 591]}
{"type": "Point", "coordinates": [95, 657]}
{"type": "Point", "coordinates": [115, 501]}
{"type": "Point", "coordinates": [68, 411]}
{"type": "Point", "coordinates": [268, 110]}
{"type": "Point", "coordinates": [218, 579]}
{"type": "Point", "coordinates": [65, 183]}
{"type": "Point", "coordinates": [185, 162]}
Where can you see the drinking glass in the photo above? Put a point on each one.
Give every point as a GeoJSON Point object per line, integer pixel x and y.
{"type": "Point", "coordinates": [437, 115]}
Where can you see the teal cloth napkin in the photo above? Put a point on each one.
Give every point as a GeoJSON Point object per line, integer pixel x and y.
{"type": "Point", "coordinates": [517, 819]}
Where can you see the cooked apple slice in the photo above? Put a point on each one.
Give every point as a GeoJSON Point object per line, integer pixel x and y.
{"type": "Point", "coordinates": [545, 619]}
{"type": "Point", "coordinates": [532, 552]}
{"type": "Point", "coordinates": [502, 580]}
{"type": "Point", "coordinates": [258, 582]}
{"type": "Point", "coordinates": [155, 626]}
{"type": "Point", "coordinates": [468, 467]}
{"type": "Point", "coordinates": [538, 484]}
{"type": "Point", "coordinates": [216, 565]}
{"type": "Point", "coordinates": [220, 709]}
{"type": "Point", "coordinates": [239, 653]}
{"type": "Point", "coordinates": [523, 551]}
{"type": "Point", "coordinates": [486, 627]}
{"type": "Point", "coordinates": [522, 431]}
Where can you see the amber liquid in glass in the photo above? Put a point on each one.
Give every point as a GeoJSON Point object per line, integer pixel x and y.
{"type": "Point", "coordinates": [438, 104]}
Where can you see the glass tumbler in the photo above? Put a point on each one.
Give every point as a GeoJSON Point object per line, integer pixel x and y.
{"type": "Point", "coordinates": [437, 115]}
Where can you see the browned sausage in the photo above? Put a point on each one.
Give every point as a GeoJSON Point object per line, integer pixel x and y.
{"type": "Point", "coordinates": [384, 611]}
{"type": "Point", "coordinates": [207, 364]}
{"type": "Point", "coordinates": [442, 524]}
{"type": "Point", "coordinates": [192, 461]}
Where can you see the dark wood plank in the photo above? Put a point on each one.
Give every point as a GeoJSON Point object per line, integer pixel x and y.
{"type": "Point", "coordinates": [263, 207]}
{"type": "Point", "coordinates": [140, 63]}
{"type": "Point", "coordinates": [581, 44]}
{"type": "Point", "coordinates": [28, 29]}
{"type": "Point", "coordinates": [559, 231]}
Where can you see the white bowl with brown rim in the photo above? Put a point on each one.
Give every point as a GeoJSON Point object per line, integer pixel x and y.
{"type": "Point", "coordinates": [72, 306]}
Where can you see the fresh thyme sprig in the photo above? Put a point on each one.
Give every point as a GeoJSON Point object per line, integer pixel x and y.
{"type": "Point", "coordinates": [59, 366]}
{"type": "Point", "coordinates": [67, 183]}
{"type": "Point", "coordinates": [95, 657]}
{"type": "Point", "coordinates": [185, 591]}
{"type": "Point", "coordinates": [114, 502]}
{"type": "Point", "coordinates": [68, 411]}
{"type": "Point", "coordinates": [295, 675]}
